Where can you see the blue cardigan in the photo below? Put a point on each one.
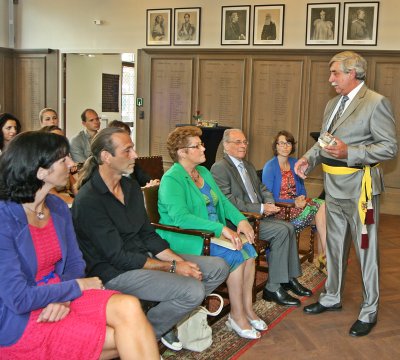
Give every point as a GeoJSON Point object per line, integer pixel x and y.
{"type": "Point", "coordinates": [19, 294]}
{"type": "Point", "coordinates": [272, 179]}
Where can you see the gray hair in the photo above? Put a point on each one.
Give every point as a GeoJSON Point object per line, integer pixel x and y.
{"type": "Point", "coordinates": [227, 134]}
{"type": "Point", "coordinates": [102, 142]}
{"type": "Point", "coordinates": [350, 60]}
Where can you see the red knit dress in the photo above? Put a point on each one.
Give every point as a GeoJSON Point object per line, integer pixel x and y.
{"type": "Point", "coordinates": [81, 334]}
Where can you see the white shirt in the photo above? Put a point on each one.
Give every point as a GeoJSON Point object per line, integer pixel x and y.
{"type": "Point", "coordinates": [351, 95]}
{"type": "Point", "coordinates": [236, 162]}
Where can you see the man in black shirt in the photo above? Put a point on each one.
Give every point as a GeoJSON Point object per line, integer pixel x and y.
{"type": "Point", "coordinates": [121, 247]}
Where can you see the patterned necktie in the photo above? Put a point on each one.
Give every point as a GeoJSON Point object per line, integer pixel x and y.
{"type": "Point", "coordinates": [338, 112]}
{"type": "Point", "coordinates": [247, 183]}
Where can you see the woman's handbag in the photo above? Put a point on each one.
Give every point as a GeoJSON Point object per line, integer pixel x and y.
{"type": "Point", "coordinates": [194, 332]}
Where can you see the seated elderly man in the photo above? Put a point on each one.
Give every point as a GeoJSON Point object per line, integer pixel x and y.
{"type": "Point", "coordinates": [121, 247]}
{"type": "Point", "coordinates": [238, 180]}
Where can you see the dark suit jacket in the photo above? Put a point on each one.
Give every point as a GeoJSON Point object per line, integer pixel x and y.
{"type": "Point", "coordinates": [231, 184]}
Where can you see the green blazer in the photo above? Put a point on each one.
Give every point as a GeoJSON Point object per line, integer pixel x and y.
{"type": "Point", "coordinates": [180, 203]}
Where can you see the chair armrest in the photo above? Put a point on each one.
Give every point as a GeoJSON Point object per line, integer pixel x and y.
{"type": "Point", "coordinates": [206, 235]}
{"type": "Point", "coordinates": [285, 205]}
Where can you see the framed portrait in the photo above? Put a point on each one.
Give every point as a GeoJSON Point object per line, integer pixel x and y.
{"type": "Point", "coordinates": [323, 24]}
{"type": "Point", "coordinates": [235, 25]}
{"type": "Point", "coordinates": [360, 23]}
{"type": "Point", "coordinates": [187, 26]}
{"type": "Point", "coordinates": [268, 24]}
{"type": "Point", "coordinates": [158, 25]}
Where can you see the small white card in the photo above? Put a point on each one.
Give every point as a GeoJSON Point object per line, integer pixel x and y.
{"type": "Point", "coordinates": [326, 139]}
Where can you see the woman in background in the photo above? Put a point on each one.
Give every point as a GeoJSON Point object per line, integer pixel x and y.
{"type": "Point", "coordinates": [190, 199]}
{"type": "Point", "coordinates": [48, 116]}
{"type": "Point", "coordinates": [279, 178]}
{"type": "Point", "coordinates": [49, 310]}
{"type": "Point", "coordinates": [9, 128]}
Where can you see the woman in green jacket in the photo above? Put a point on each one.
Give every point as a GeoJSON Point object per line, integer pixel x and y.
{"type": "Point", "coordinates": [189, 198]}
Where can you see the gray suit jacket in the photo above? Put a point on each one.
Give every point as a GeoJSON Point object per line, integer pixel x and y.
{"type": "Point", "coordinates": [231, 184]}
{"type": "Point", "coordinates": [368, 128]}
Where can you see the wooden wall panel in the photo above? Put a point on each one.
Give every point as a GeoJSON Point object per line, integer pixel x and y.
{"type": "Point", "coordinates": [275, 104]}
{"type": "Point", "coordinates": [30, 90]}
{"type": "Point", "coordinates": [6, 81]}
{"type": "Point", "coordinates": [261, 92]}
{"type": "Point", "coordinates": [171, 97]}
{"type": "Point", "coordinates": [387, 82]}
{"type": "Point", "coordinates": [221, 91]}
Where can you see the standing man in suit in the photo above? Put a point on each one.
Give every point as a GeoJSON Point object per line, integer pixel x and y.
{"type": "Point", "coordinates": [238, 180]}
{"type": "Point", "coordinates": [364, 134]}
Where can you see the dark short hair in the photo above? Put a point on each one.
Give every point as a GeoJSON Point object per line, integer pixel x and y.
{"type": "Point", "coordinates": [120, 124]}
{"type": "Point", "coordinates": [4, 117]}
{"type": "Point", "coordinates": [289, 138]}
{"type": "Point", "coordinates": [83, 115]}
{"type": "Point", "coordinates": [179, 138]}
{"type": "Point", "coordinates": [21, 161]}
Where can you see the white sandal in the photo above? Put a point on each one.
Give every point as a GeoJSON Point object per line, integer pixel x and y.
{"type": "Point", "coordinates": [246, 333]}
{"type": "Point", "coordinates": [258, 324]}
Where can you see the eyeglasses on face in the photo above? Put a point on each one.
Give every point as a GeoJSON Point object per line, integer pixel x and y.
{"type": "Point", "coordinates": [238, 142]}
{"type": "Point", "coordinates": [284, 143]}
{"type": "Point", "coordinates": [198, 146]}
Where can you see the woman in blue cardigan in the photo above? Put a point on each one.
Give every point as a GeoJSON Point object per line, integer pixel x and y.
{"type": "Point", "coordinates": [279, 178]}
{"type": "Point", "coordinates": [189, 198]}
{"type": "Point", "coordinates": [48, 309]}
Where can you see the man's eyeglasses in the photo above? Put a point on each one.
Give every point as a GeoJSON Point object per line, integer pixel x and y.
{"type": "Point", "coordinates": [198, 146]}
{"type": "Point", "coordinates": [238, 142]}
{"type": "Point", "coordinates": [284, 143]}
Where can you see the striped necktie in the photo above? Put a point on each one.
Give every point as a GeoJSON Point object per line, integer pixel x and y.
{"type": "Point", "coordinates": [247, 183]}
{"type": "Point", "coordinates": [339, 112]}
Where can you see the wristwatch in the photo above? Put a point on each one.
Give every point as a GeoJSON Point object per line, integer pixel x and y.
{"type": "Point", "coordinates": [172, 268]}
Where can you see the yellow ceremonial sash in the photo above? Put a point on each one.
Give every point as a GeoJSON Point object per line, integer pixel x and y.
{"type": "Point", "coordinates": [366, 184]}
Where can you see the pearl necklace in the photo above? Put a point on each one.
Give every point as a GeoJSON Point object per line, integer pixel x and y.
{"type": "Point", "coordinates": [39, 214]}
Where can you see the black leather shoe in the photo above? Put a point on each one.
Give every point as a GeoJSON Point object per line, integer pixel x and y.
{"type": "Point", "coordinates": [361, 328]}
{"type": "Point", "coordinates": [317, 308]}
{"type": "Point", "coordinates": [294, 286]}
{"type": "Point", "coordinates": [281, 297]}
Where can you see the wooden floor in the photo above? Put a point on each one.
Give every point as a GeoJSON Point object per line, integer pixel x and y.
{"type": "Point", "coordinates": [325, 336]}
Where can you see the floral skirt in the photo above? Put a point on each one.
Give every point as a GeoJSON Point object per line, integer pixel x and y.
{"type": "Point", "coordinates": [301, 218]}
{"type": "Point", "coordinates": [233, 257]}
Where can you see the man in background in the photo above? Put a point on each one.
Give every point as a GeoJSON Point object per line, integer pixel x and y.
{"type": "Point", "coordinates": [80, 143]}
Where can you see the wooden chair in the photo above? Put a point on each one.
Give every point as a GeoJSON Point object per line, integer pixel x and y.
{"type": "Point", "coordinates": [305, 254]}
{"type": "Point", "coordinates": [150, 195]}
{"type": "Point", "coordinates": [152, 165]}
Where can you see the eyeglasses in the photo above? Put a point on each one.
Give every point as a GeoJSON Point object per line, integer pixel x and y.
{"type": "Point", "coordinates": [198, 146]}
{"type": "Point", "coordinates": [283, 143]}
{"type": "Point", "coordinates": [238, 142]}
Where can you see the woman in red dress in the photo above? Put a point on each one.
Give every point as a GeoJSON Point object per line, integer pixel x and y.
{"type": "Point", "coordinates": [48, 310]}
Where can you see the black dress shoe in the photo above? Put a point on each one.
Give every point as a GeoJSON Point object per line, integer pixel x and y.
{"type": "Point", "coordinates": [281, 297]}
{"type": "Point", "coordinates": [294, 286]}
{"type": "Point", "coordinates": [317, 308]}
{"type": "Point", "coordinates": [361, 328]}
